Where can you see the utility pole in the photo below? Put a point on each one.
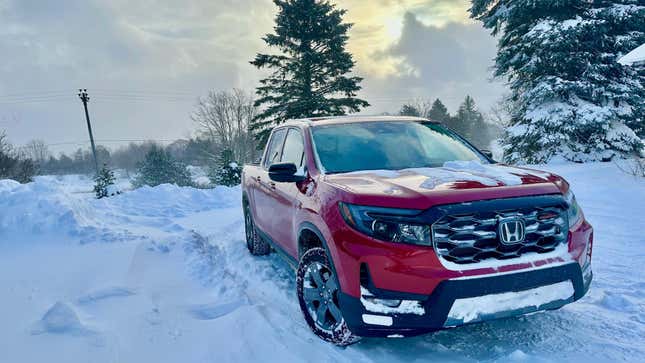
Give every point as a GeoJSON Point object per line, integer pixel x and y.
{"type": "Point", "coordinates": [82, 94]}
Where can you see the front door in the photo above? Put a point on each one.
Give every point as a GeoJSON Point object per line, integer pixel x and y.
{"type": "Point", "coordinates": [264, 195]}
{"type": "Point", "coordinates": [287, 195]}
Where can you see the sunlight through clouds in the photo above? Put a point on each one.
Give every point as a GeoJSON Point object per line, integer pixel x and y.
{"type": "Point", "coordinates": [378, 25]}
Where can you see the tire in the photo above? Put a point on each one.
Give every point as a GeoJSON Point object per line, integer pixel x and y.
{"type": "Point", "coordinates": [256, 245]}
{"type": "Point", "coordinates": [318, 289]}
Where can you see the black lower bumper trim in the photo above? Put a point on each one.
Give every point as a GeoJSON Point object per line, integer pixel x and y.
{"type": "Point", "coordinates": [437, 306]}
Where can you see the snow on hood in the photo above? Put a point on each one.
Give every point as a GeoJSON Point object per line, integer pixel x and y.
{"type": "Point", "coordinates": [489, 175]}
{"type": "Point", "coordinates": [490, 171]}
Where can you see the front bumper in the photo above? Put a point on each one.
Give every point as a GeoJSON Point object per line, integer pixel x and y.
{"type": "Point", "coordinates": [436, 308]}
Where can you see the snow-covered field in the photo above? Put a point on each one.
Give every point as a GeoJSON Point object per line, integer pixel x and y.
{"type": "Point", "coordinates": [162, 274]}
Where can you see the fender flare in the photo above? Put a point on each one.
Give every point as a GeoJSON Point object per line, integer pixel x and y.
{"type": "Point", "coordinates": [312, 228]}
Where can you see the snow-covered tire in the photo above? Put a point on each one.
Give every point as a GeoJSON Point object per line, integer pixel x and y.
{"type": "Point", "coordinates": [318, 289]}
{"type": "Point", "coordinates": [256, 245]}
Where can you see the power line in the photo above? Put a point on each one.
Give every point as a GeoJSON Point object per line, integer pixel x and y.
{"type": "Point", "coordinates": [110, 141]}
{"type": "Point", "coordinates": [33, 100]}
{"type": "Point", "coordinates": [138, 92]}
{"type": "Point", "coordinates": [37, 93]}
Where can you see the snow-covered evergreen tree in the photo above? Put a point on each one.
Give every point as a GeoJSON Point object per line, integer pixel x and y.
{"type": "Point", "coordinates": [104, 183]}
{"type": "Point", "coordinates": [159, 167]}
{"type": "Point", "coordinates": [310, 76]}
{"type": "Point", "coordinates": [571, 96]}
{"type": "Point", "coordinates": [226, 170]}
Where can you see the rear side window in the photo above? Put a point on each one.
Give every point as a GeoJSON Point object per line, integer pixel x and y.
{"type": "Point", "coordinates": [275, 148]}
{"type": "Point", "coordinates": [294, 148]}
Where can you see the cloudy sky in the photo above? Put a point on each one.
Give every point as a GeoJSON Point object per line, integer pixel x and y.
{"type": "Point", "coordinates": [144, 62]}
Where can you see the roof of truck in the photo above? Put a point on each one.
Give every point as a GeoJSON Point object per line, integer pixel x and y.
{"type": "Point", "coordinates": [352, 119]}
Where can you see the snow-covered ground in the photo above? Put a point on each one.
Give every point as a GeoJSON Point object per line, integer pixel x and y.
{"type": "Point", "coordinates": [162, 274]}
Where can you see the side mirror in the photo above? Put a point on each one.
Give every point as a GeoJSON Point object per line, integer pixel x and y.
{"type": "Point", "coordinates": [285, 173]}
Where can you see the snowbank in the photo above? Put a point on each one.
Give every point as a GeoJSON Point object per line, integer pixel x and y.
{"type": "Point", "coordinates": [50, 205]}
{"type": "Point", "coordinates": [178, 285]}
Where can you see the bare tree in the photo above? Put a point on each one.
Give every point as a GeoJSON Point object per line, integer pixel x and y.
{"type": "Point", "coordinates": [502, 112]}
{"type": "Point", "coordinates": [13, 164]}
{"type": "Point", "coordinates": [6, 161]}
{"type": "Point", "coordinates": [418, 107]}
{"type": "Point", "coordinates": [224, 118]}
{"type": "Point", "coordinates": [37, 151]}
{"type": "Point", "coordinates": [4, 144]}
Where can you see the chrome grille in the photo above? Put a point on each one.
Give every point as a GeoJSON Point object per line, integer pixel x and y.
{"type": "Point", "coordinates": [473, 237]}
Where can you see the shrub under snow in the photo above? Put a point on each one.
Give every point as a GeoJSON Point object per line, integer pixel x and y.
{"type": "Point", "coordinates": [159, 167]}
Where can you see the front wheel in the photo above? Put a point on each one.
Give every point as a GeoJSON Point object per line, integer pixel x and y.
{"type": "Point", "coordinates": [318, 291]}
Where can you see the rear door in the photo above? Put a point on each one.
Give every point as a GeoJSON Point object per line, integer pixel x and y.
{"type": "Point", "coordinates": [264, 194]}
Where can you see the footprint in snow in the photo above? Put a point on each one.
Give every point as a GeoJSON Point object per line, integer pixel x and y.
{"type": "Point", "coordinates": [105, 293]}
{"type": "Point", "coordinates": [617, 303]}
{"type": "Point", "coordinates": [174, 227]}
{"type": "Point", "coordinates": [214, 311]}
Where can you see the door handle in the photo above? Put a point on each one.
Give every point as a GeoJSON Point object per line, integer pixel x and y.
{"type": "Point", "coordinates": [258, 179]}
{"type": "Point", "coordinates": [272, 185]}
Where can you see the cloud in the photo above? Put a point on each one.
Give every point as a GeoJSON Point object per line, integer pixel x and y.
{"type": "Point", "coordinates": [378, 24]}
{"type": "Point", "coordinates": [145, 62]}
{"type": "Point", "coordinates": [446, 61]}
{"type": "Point", "coordinates": [165, 52]}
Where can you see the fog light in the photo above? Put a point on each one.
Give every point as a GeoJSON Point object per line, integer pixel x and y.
{"type": "Point", "coordinates": [367, 296]}
{"type": "Point", "coordinates": [387, 302]}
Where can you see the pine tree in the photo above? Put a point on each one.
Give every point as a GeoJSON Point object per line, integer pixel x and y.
{"type": "Point", "coordinates": [571, 97]}
{"type": "Point", "coordinates": [226, 170]}
{"type": "Point", "coordinates": [621, 28]}
{"type": "Point", "coordinates": [159, 167]}
{"type": "Point", "coordinates": [439, 112]}
{"type": "Point", "coordinates": [409, 110]}
{"type": "Point", "coordinates": [469, 123]}
{"type": "Point", "coordinates": [309, 76]}
{"type": "Point", "coordinates": [103, 182]}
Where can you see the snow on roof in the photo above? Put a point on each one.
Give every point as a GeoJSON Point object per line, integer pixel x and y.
{"type": "Point", "coordinates": [356, 119]}
{"type": "Point", "coordinates": [635, 56]}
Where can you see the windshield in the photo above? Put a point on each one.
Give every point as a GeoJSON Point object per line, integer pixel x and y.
{"type": "Point", "coordinates": [388, 145]}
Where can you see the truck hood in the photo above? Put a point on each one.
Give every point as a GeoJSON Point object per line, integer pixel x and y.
{"type": "Point", "coordinates": [454, 182]}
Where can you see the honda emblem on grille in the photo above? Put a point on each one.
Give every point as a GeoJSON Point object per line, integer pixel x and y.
{"type": "Point", "coordinates": [511, 231]}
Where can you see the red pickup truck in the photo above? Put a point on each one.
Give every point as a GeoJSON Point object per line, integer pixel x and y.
{"type": "Point", "coordinates": [398, 226]}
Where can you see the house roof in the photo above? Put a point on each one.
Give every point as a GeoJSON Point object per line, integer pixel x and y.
{"type": "Point", "coordinates": [636, 56]}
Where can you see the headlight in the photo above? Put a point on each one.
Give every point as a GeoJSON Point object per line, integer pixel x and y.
{"type": "Point", "coordinates": [387, 224]}
{"type": "Point", "coordinates": [573, 210]}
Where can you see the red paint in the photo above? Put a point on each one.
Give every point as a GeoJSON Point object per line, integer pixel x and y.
{"type": "Point", "coordinates": [280, 210]}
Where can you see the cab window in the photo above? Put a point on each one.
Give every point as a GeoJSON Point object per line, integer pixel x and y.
{"type": "Point", "coordinates": [274, 150]}
{"type": "Point", "coordinates": [294, 148]}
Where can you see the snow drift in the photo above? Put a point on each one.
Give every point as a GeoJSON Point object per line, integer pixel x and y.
{"type": "Point", "coordinates": [162, 274]}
